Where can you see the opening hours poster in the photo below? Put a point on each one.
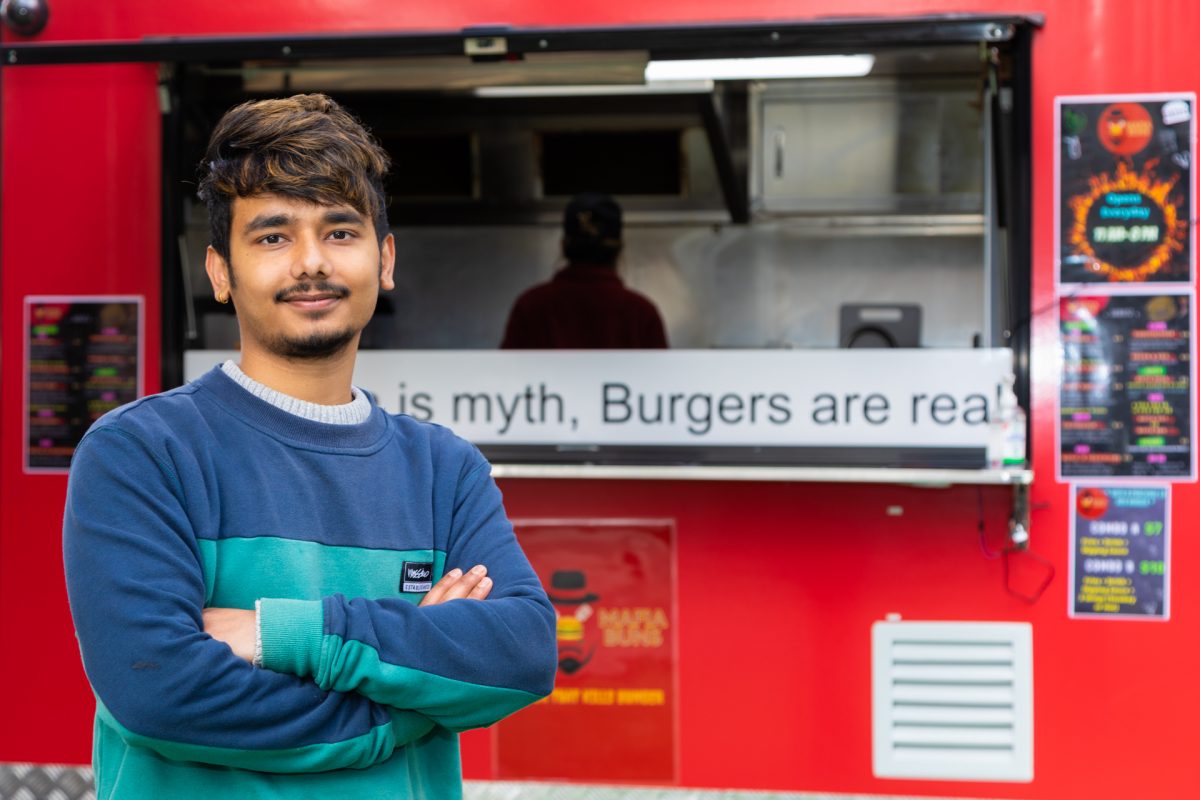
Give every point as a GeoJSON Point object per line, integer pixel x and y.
{"type": "Point", "coordinates": [1125, 189]}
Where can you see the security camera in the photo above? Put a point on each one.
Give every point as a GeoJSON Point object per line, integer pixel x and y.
{"type": "Point", "coordinates": [25, 17]}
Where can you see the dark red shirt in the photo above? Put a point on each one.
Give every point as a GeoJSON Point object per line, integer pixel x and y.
{"type": "Point", "coordinates": [584, 306]}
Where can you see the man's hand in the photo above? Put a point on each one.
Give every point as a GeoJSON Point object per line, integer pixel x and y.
{"type": "Point", "coordinates": [235, 627]}
{"type": "Point", "coordinates": [457, 585]}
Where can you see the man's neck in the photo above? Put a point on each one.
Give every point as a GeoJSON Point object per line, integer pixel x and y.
{"type": "Point", "coordinates": [325, 381]}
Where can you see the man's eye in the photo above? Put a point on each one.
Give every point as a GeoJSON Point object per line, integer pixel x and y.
{"type": "Point", "coordinates": [341, 236]}
{"type": "Point", "coordinates": [272, 238]}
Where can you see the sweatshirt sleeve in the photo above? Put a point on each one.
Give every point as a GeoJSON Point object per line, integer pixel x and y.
{"type": "Point", "coordinates": [463, 663]}
{"type": "Point", "coordinates": [136, 589]}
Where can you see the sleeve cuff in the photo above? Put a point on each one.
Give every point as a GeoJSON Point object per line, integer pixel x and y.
{"type": "Point", "coordinates": [291, 633]}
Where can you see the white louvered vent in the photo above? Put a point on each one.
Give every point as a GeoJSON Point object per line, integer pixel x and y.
{"type": "Point", "coordinates": [953, 700]}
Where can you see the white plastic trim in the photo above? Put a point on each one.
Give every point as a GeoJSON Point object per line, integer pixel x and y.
{"type": "Point", "coordinates": [913, 477]}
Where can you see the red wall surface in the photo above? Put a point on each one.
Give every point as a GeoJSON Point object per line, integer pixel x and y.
{"type": "Point", "coordinates": [774, 656]}
{"type": "Point", "coordinates": [80, 215]}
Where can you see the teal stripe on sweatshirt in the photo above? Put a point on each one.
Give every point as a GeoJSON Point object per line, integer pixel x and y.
{"type": "Point", "coordinates": [166, 770]}
{"type": "Point", "coordinates": [363, 751]}
{"type": "Point", "coordinates": [246, 569]}
{"type": "Point", "coordinates": [293, 643]}
{"type": "Point", "coordinates": [460, 705]}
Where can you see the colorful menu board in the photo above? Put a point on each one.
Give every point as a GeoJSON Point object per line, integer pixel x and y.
{"type": "Point", "coordinates": [1120, 550]}
{"type": "Point", "coordinates": [612, 714]}
{"type": "Point", "coordinates": [1125, 397]}
{"type": "Point", "coordinates": [83, 359]}
{"type": "Point", "coordinates": [1125, 189]}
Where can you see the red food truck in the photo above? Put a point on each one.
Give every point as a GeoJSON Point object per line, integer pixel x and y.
{"type": "Point", "coordinates": [898, 511]}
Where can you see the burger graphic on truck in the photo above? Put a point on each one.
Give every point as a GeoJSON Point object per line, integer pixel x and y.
{"type": "Point", "coordinates": [572, 608]}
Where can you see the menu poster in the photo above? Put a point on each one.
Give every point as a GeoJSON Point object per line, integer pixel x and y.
{"type": "Point", "coordinates": [1125, 189]}
{"type": "Point", "coordinates": [1125, 399]}
{"type": "Point", "coordinates": [1120, 551]}
{"type": "Point", "coordinates": [83, 359]}
{"type": "Point", "coordinates": [612, 714]}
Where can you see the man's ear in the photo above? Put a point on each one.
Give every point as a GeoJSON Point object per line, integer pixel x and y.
{"type": "Point", "coordinates": [387, 263]}
{"type": "Point", "coordinates": [218, 274]}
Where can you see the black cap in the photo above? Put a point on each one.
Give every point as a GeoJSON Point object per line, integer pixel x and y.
{"type": "Point", "coordinates": [569, 587]}
{"type": "Point", "coordinates": [593, 217]}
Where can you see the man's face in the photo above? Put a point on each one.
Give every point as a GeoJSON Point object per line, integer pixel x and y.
{"type": "Point", "coordinates": [304, 277]}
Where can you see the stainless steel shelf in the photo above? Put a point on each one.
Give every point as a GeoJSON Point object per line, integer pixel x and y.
{"type": "Point", "coordinates": [875, 225]}
{"type": "Point", "coordinates": [911, 477]}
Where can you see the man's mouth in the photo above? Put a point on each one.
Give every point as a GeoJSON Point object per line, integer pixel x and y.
{"type": "Point", "coordinates": [312, 297]}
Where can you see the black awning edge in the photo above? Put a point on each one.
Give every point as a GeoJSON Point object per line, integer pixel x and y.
{"type": "Point", "coordinates": [678, 40]}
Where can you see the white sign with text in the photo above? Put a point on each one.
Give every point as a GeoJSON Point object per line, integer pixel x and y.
{"type": "Point", "coordinates": [831, 398]}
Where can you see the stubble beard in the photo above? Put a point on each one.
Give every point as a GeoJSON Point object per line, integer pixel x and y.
{"type": "Point", "coordinates": [318, 345]}
{"type": "Point", "coordinates": [314, 347]}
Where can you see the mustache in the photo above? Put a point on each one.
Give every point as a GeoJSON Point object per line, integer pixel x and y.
{"type": "Point", "coordinates": [319, 287]}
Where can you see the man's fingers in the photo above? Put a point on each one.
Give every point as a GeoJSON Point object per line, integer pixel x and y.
{"type": "Point", "coordinates": [467, 583]}
{"type": "Point", "coordinates": [457, 585]}
{"type": "Point", "coordinates": [438, 593]}
{"type": "Point", "coordinates": [481, 590]}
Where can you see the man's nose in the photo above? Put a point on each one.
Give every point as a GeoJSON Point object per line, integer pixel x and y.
{"type": "Point", "coordinates": [310, 258]}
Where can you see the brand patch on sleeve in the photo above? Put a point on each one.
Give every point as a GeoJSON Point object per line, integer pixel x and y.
{"type": "Point", "coordinates": [417, 576]}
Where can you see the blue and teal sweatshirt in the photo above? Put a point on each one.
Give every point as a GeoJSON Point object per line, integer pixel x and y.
{"type": "Point", "coordinates": [209, 496]}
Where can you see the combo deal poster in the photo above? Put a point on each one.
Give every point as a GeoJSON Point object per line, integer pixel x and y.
{"type": "Point", "coordinates": [1120, 564]}
{"type": "Point", "coordinates": [1125, 189]}
{"type": "Point", "coordinates": [83, 358]}
{"type": "Point", "coordinates": [1125, 396]}
{"type": "Point", "coordinates": [612, 715]}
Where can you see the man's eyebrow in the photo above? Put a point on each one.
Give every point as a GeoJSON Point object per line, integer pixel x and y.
{"type": "Point", "coordinates": [263, 221]}
{"type": "Point", "coordinates": [343, 216]}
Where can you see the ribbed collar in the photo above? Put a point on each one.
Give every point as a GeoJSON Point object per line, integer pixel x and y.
{"type": "Point", "coordinates": [352, 413]}
{"type": "Point", "coordinates": [275, 421]}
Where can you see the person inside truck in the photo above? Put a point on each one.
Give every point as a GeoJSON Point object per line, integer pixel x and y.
{"type": "Point", "coordinates": [586, 305]}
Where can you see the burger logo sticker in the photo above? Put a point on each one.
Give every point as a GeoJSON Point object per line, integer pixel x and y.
{"type": "Point", "coordinates": [572, 609]}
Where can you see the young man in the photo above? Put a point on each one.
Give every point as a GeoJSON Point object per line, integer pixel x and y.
{"type": "Point", "coordinates": [280, 590]}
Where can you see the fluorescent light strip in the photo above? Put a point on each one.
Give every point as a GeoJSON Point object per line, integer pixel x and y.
{"type": "Point", "coordinates": [732, 69]}
{"type": "Point", "coordinates": [667, 87]}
